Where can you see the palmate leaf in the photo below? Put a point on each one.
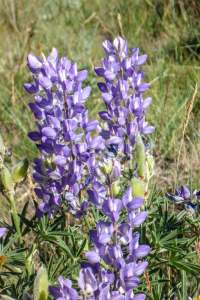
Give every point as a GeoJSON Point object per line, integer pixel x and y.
{"type": "Point", "coordinates": [65, 248]}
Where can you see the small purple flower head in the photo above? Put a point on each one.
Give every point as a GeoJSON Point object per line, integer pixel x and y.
{"type": "Point", "coordinates": [190, 208]}
{"type": "Point", "coordinates": [111, 208]}
{"type": "Point", "coordinates": [136, 250]}
{"type": "Point", "coordinates": [129, 295]}
{"type": "Point", "coordinates": [124, 233]}
{"type": "Point", "coordinates": [180, 196]}
{"type": "Point", "coordinates": [87, 281]}
{"type": "Point", "coordinates": [66, 291]}
{"type": "Point", "coordinates": [104, 231]}
{"type": "Point", "coordinates": [131, 203]}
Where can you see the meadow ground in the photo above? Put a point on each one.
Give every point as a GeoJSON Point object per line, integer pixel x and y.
{"type": "Point", "coordinates": [167, 30]}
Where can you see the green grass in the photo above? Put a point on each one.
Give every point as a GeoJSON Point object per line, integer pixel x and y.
{"type": "Point", "coordinates": [168, 31]}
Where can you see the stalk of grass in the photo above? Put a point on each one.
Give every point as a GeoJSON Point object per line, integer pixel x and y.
{"type": "Point", "coordinates": [184, 128]}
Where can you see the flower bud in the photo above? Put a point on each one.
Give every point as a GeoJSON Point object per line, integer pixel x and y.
{"type": "Point", "coordinates": [106, 166]}
{"type": "Point", "coordinates": [6, 178]}
{"type": "Point", "coordinates": [138, 188]}
{"type": "Point", "coordinates": [140, 156]}
{"type": "Point", "coordinates": [5, 297]}
{"type": "Point", "coordinates": [20, 170]}
{"type": "Point", "coordinates": [116, 189]}
{"type": "Point", "coordinates": [41, 285]}
{"type": "Point", "coordinates": [116, 171]}
{"type": "Point", "coordinates": [150, 164]}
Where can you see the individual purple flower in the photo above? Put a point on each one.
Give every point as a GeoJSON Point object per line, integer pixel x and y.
{"type": "Point", "coordinates": [136, 250]}
{"type": "Point", "coordinates": [129, 295]}
{"type": "Point", "coordinates": [87, 281]}
{"type": "Point", "coordinates": [65, 292]}
{"type": "Point", "coordinates": [180, 196]}
{"type": "Point", "coordinates": [190, 208]}
{"type": "Point", "coordinates": [104, 231]}
{"type": "Point", "coordinates": [111, 208]}
{"type": "Point", "coordinates": [124, 233]}
{"type": "Point", "coordinates": [127, 275]}
{"type": "Point", "coordinates": [131, 203]}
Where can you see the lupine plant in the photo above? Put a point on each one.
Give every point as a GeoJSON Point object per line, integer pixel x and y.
{"type": "Point", "coordinates": [100, 229]}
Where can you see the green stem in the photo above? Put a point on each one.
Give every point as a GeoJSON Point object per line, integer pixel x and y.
{"type": "Point", "coordinates": [15, 219]}
{"type": "Point", "coordinates": [29, 256]}
{"type": "Point", "coordinates": [14, 215]}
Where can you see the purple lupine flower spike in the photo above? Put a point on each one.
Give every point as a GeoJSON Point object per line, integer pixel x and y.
{"type": "Point", "coordinates": [63, 123]}
{"type": "Point", "coordinates": [128, 108]}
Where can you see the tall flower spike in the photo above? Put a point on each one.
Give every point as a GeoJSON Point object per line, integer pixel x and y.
{"type": "Point", "coordinates": [125, 110]}
{"type": "Point", "coordinates": [62, 125]}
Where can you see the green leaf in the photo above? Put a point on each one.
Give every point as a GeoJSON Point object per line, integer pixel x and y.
{"type": "Point", "coordinates": [173, 291]}
{"type": "Point", "coordinates": [170, 235]}
{"type": "Point", "coordinates": [50, 264]}
{"type": "Point", "coordinates": [188, 268]}
{"type": "Point", "coordinates": [26, 221]}
{"type": "Point", "coordinates": [66, 272]}
{"type": "Point", "coordinates": [24, 213]}
{"type": "Point", "coordinates": [184, 285]}
{"type": "Point", "coordinates": [82, 246]}
{"type": "Point", "coordinates": [65, 248]}
{"type": "Point", "coordinates": [59, 233]}
{"type": "Point", "coordinates": [56, 267]}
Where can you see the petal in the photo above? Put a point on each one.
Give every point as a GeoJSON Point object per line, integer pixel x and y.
{"type": "Point", "coordinates": [55, 292]}
{"type": "Point", "coordinates": [85, 93]}
{"type": "Point", "coordinates": [107, 97]}
{"type": "Point", "coordinates": [81, 76]}
{"type": "Point", "coordinates": [185, 193]}
{"type": "Point", "coordinates": [139, 219]}
{"type": "Point", "coordinates": [140, 268]}
{"type": "Point", "coordinates": [95, 142]}
{"type": "Point", "coordinates": [141, 251]}
{"type": "Point", "coordinates": [99, 71]}
{"type": "Point", "coordinates": [2, 232]}
{"type": "Point", "coordinates": [102, 86]}
{"type": "Point", "coordinates": [60, 160]}
{"type": "Point", "coordinates": [91, 125]}
{"type": "Point", "coordinates": [44, 207]}
{"type": "Point", "coordinates": [109, 75]}
{"type": "Point", "coordinates": [48, 132]}
{"type": "Point", "coordinates": [34, 136]}
{"type": "Point", "coordinates": [140, 61]}
{"type": "Point", "coordinates": [147, 130]}
{"type": "Point", "coordinates": [135, 203]}
{"type": "Point", "coordinates": [93, 256]}
{"type": "Point", "coordinates": [141, 88]}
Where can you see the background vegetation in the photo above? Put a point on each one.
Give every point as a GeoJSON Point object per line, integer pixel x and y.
{"type": "Point", "coordinates": [167, 30]}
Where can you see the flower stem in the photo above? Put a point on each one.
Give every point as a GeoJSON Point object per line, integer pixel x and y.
{"type": "Point", "coordinates": [15, 219]}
